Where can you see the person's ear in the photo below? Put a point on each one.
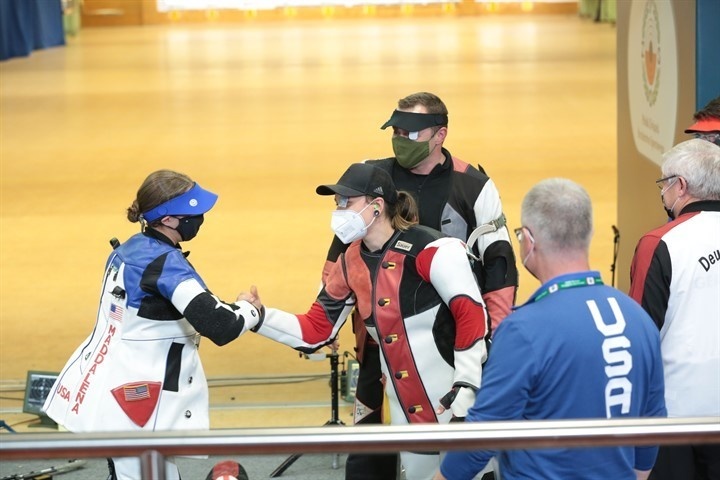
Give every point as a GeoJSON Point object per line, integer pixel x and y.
{"type": "Point", "coordinates": [376, 206]}
{"type": "Point", "coordinates": [683, 186]}
{"type": "Point", "coordinates": [441, 134]}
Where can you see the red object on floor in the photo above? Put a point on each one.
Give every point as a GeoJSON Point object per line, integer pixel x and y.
{"type": "Point", "coordinates": [227, 470]}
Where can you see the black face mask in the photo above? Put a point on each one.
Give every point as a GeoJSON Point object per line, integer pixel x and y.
{"type": "Point", "coordinates": [668, 210]}
{"type": "Point", "coordinates": [189, 226]}
{"type": "Point", "coordinates": [670, 214]}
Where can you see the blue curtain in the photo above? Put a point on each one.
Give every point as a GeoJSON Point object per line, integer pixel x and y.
{"type": "Point", "coordinates": [27, 25]}
{"type": "Point", "coordinates": [707, 56]}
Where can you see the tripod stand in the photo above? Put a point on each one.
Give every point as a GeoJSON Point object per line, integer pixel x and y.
{"type": "Point", "coordinates": [616, 248]}
{"type": "Point", "coordinates": [334, 414]}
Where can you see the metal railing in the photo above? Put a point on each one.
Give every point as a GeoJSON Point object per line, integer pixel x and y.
{"type": "Point", "coordinates": [152, 447]}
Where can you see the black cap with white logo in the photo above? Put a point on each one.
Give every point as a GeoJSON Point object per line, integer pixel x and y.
{"type": "Point", "coordinates": [362, 179]}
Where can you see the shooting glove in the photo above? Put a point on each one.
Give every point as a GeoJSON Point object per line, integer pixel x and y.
{"type": "Point", "coordinates": [459, 400]}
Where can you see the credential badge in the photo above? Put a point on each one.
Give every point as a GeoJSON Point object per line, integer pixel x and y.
{"type": "Point", "coordinates": [400, 245]}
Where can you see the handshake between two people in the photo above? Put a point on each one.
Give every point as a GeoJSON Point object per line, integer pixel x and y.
{"type": "Point", "coordinates": [252, 296]}
{"type": "Point", "coordinates": [459, 399]}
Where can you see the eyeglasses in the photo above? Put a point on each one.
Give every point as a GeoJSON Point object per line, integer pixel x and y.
{"type": "Point", "coordinates": [710, 137]}
{"type": "Point", "coordinates": [341, 200]}
{"type": "Point", "coordinates": [660, 181]}
{"type": "Point", "coordinates": [519, 234]}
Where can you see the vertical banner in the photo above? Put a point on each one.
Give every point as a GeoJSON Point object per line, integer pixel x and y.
{"type": "Point", "coordinates": [652, 78]}
{"type": "Point", "coordinates": [655, 103]}
{"type": "Point", "coordinates": [708, 55]}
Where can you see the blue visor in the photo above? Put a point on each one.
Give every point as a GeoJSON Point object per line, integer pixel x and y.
{"type": "Point", "coordinates": [195, 201]}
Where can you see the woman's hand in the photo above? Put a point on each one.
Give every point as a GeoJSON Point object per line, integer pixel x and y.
{"type": "Point", "coordinates": [253, 297]}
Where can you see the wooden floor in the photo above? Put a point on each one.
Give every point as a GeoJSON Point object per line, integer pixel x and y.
{"type": "Point", "coordinates": [262, 114]}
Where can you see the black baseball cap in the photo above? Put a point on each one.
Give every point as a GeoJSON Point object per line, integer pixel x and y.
{"type": "Point", "coordinates": [414, 122]}
{"type": "Point", "coordinates": [362, 179]}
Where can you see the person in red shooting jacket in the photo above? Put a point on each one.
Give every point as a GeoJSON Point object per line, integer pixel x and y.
{"type": "Point", "coordinates": [455, 198]}
{"type": "Point", "coordinates": [415, 291]}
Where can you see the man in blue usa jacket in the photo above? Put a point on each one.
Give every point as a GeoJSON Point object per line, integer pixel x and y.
{"type": "Point", "coordinates": [576, 349]}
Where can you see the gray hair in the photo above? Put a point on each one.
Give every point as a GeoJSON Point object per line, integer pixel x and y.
{"type": "Point", "coordinates": [698, 162]}
{"type": "Point", "coordinates": [558, 213]}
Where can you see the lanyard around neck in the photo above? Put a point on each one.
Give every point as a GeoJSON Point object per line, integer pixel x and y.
{"type": "Point", "coordinates": [564, 285]}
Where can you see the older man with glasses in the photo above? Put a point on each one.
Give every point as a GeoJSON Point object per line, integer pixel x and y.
{"type": "Point", "coordinates": [575, 349]}
{"type": "Point", "coordinates": [675, 276]}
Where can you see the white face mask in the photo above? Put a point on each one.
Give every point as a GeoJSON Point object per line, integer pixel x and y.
{"type": "Point", "coordinates": [527, 257]}
{"type": "Point", "coordinates": [349, 225]}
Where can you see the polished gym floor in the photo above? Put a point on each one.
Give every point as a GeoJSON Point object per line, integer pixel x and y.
{"type": "Point", "coordinates": [262, 113]}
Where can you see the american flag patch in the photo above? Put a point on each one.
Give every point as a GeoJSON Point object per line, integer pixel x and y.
{"type": "Point", "coordinates": [136, 392]}
{"type": "Point", "coordinates": [116, 312]}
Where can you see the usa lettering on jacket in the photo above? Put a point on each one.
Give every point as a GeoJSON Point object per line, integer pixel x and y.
{"type": "Point", "coordinates": [618, 390]}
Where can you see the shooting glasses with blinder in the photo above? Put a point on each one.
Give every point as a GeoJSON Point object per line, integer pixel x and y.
{"type": "Point", "coordinates": [414, 122]}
